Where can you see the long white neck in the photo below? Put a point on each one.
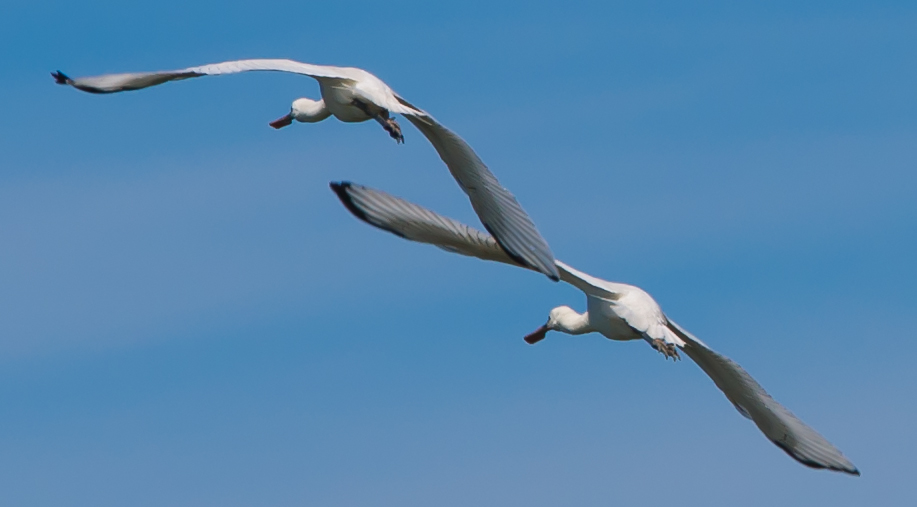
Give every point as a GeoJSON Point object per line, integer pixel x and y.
{"type": "Point", "coordinates": [310, 111]}
{"type": "Point", "coordinates": [566, 320]}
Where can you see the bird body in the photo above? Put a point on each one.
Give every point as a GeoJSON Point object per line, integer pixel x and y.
{"type": "Point", "coordinates": [340, 94]}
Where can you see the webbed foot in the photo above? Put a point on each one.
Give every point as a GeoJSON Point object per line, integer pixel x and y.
{"type": "Point", "coordinates": [384, 118]}
{"type": "Point", "coordinates": [391, 126]}
{"type": "Point", "coordinates": [666, 349]}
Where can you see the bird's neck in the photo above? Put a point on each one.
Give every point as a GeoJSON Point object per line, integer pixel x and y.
{"type": "Point", "coordinates": [313, 112]}
{"type": "Point", "coordinates": [573, 323]}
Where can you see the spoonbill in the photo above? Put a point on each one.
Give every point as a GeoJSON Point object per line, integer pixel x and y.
{"type": "Point", "coordinates": [349, 94]}
{"type": "Point", "coordinates": [354, 95]}
{"type": "Point", "coordinates": [616, 310]}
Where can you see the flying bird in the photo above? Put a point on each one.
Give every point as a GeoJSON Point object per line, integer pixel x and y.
{"type": "Point", "coordinates": [354, 95]}
{"type": "Point", "coordinates": [616, 310]}
{"type": "Point", "coordinates": [349, 94]}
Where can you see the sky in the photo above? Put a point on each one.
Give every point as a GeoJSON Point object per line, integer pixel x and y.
{"type": "Point", "coordinates": [188, 316]}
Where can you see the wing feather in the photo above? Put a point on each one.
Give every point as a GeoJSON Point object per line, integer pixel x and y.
{"type": "Point", "coordinates": [113, 83]}
{"type": "Point", "coordinates": [417, 223]}
{"type": "Point", "coordinates": [777, 423]}
{"type": "Point", "coordinates": [589, 284]}
{"type": "Point", "coordinates": [498, 209]}
{"type": "Point", "coordinates": [378, 92]}
{"type": "Point", "coordinates": [423, 225]}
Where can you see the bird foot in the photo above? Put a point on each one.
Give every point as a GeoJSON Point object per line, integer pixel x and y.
{"type": "Point", "coordinates": [666, 349]}
{"type": "Point", "coordinates": [391, 126]}
{"type": "Point", "coordinates": [388, 123]}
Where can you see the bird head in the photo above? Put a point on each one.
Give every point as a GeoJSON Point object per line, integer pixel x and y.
{"type": "Point", "coordinates": [304, 111]}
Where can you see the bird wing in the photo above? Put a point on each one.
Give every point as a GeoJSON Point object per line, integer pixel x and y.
{"type": "Point", "coordinates": [751, 400]}
{"type": "Point", "coordinates": [423, 225]}
{"type": "Point", "coordinates": [417, 223]}
{"type": "Point", "coordinates": [498, 209]}
{"type": "Point", "coordinates": [589, 284]}
{"type": "Point", "coordinates": [113, 83]}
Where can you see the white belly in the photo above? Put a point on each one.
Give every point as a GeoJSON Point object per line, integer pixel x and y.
{"type": "Point", "coordinates": [339, 99]}
{"type": "Point", "coordinates": [607, 322]}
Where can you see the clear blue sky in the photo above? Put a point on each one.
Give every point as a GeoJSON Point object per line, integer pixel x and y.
{"type": "Point", "coordinates": [189, 317]}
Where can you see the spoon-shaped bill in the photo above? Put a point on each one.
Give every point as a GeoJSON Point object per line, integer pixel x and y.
{"type": "Point", "coordinates": [536, 335]}
{"type": "Point", "coordinates": [283, 121]}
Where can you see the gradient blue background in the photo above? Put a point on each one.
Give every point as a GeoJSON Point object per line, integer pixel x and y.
{"type": "Point", "coordinates": [189, 317]}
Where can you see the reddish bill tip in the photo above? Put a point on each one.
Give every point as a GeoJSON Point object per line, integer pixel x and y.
{"type": "Point", "coordinates": [537, 335]}
{"type": "Point", "coordinates": [282, 122]}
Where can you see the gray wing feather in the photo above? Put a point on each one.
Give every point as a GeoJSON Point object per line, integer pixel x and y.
{"type": "Point", "coordinates": [113, 83]}
{"type": "Point", "coordinates": [417, 223]}
{"type": "Point", "coordinates": [423, 225]}
{"type": "Point", "coordinates": [498, 209]}
{"type": "Point", "coordinates": [777, 423]}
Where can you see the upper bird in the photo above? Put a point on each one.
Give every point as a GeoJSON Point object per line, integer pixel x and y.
{"type": "Point", "coordinates": [616, 310]}
{"type": "Point", "coordinates": [355, 95]}
{"type": "Point", "coordinates": [349, 94]}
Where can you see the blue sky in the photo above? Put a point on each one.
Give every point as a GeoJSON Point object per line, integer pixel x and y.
{"type": "Point", "coordinates": [189, 317]}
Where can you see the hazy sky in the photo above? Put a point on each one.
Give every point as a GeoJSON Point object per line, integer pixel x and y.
{"type": "Point", "coordinates": [188, 316]}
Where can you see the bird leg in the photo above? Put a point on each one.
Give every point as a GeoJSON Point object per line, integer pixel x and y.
{"type": "Point", "coordinates": [391, 126]}
{"type": "Point", "coordinates": [388, 123]}
{"type": "Point", "coordinates": [666, 349]}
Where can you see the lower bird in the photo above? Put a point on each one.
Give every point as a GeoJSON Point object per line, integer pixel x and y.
{"type": "Point", "coordinates": [616, 310]}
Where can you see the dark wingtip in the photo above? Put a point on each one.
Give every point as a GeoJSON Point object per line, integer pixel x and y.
{"type": "Point", "coordinates": [852, 471]}
{"type": "Point", "coordinates": [812, 464]}
{"type": "Point", "coordinates": [61, 78]}
{"type": "Point", "coordinates": [340, 188]}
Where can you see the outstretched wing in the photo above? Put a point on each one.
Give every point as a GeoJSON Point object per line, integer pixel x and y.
{"type": "Point", "coordinates": [498, 209]}
{"type": "Point", "coordinates": [751, 400]}
{"type": "Point", "coordinates": [417, 223]}
{"type": "Point", "coordinates": [113, 83]}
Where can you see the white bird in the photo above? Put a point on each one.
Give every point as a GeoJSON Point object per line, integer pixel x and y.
{"type": "Point", "coordinates": [355, 95]}
{"type": "Point", "coordinates": [616, 310]}
{"type": "Point", "coordinates": [349, 94]}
